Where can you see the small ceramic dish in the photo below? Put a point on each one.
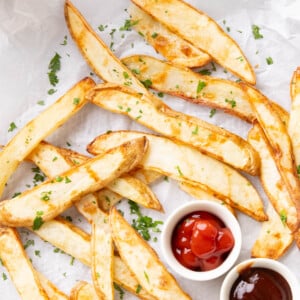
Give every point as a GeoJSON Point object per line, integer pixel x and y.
{"type": "Point", "coordinates": [221, 212]}
{"type": "Point", "coordinates": [265, 263]}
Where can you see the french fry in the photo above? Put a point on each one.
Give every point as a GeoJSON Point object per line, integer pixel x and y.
{"type": "Point", "coordinates": [108, 67]}
{"type": "Point", "coordinates": [40, 127]}
{"type": "Point", "coordinates": [143, 261]}
{"type": "Point", "coordinates": [126, 186]}
{"type": "Point", "coordinates": [19, 267]}
{"type": "Point", "coordinates": [84, 291]}
{"type": "Point", "coordinates": [271, 179]}
{"type": "Point", "coordinates": [51, 290]}
{"type": "Point", "coordinates": [102, 257]}
{"type": "Point", "coordinates": [201, 31]}
{"type": "Point", "coordinates": [293, 125]}
{"type": "Point", "coordinates": [193, 87]}
{"type": "Point", "coordinates": [52, 197]}
{"type": "Point", "coordinates": [198, 193]}
{"type": "Point", "coordinates": [75, 242]}
{"type": "Point", "coordinates": [274, 237]}
{"type": "Point", "coordinates": [279, 140]}
{"type": "Point", "coordinates": [206, 137]}
{"type": "Point", "coordinates": [183, 163]}
{"type": "Point", "coordinates": [168, 44]}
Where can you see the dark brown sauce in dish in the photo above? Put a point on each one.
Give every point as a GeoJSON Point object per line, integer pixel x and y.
{"type": "Point", "coordinates": [260, 284]}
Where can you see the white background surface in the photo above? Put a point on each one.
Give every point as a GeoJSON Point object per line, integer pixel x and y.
{"type": "Point", "coordinates": [31, 32]}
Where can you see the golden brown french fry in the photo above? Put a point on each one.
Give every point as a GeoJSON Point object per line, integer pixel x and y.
{"type": "Point", "coordinates": [51, 290]}
{"type": "Point", "coordinates": [198, 193]}
{"type": "Point", "coordinates": [102, 257]}
{"type": "Point", "coordinates": [19, 267]}
{"type": "Point", "coordinates": [84, 291]}
{"type": "Point", "coordinates": [52, 197]}
{"type": "Point", "coordinates": [206, 137]}
{"type": "Point", "coordinates": [168, 44]}
{"type": "Point", "coordinates": [193, 87]}
{"type": "Point", "coordinates": [53, 161]}
{"type": "Point", "coordinates": [274, 237]}
{"type": "Point", "coordinates": [271, 179]}
{"type": "Point", "coordinates": [75, 242]}
{"type": "Point", "coordinates": [279, 140]}
{"type": "Point", "coordinates": [143, 261]}
{"type": "Point", "coordinates": [184, 163]}
{"type": "Point", "coordinates": [111, 69]}
{"type": "Point", "coordinates": [201, 31]}
{"type": "Point", "coordinates": [293, 125]}
{"type": "Point", "coordinates": [40, 127]}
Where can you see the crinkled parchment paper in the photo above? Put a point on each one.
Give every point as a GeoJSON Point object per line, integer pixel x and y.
{"type": "Point", "coordinates": [32, 31]}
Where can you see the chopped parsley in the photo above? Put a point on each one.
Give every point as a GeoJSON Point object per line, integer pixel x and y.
{"type": "Point", "coordinates": [120, 290]}
{"type": "Point", "coordinates": [76, 101]}
{"type": "Point", "coordinates": [51, 91]}
{"type": "Point", "coordinates": [12, 127]}
{"type": "Point", "coordinates": [4, 276]}
{"type": "Point", "coordinates": [128, 25]}
{"type": "Point", "coordinates": [54, 67]}
{"type": "Point", "coordinates": [283, 217]}
{"type": "Point", "coordinates": [204, 72]}
{"type": "Point", "coordinates": [255, 31]}
{"type": "Point", "coordinates": [64, 43]}
{"type": "Point", "coordinates": [45, 196]}
{"type": "Point", "coordinates": [138, 288]}
{"type": "Point", "coordinates": [201, 85]}
{"type": "Point", "coordinates": [179, 170]}
{"type": "Point", "coordinates": [147, 83]}
{"type": "Point", "coordinates": [147, 277]}
{"type": "Point", "coordinates": [298, 170]}
{"type": "Point", "coordinates": [269, 60]}
{"type": "Point", "coordinates": [72, 261]}
{"type": "Point", "coordinates": [38, 221]}
{"type": "Point", "coordinates": [28, 244]}
{"type": "Point", "coordinates": [195, 131]}
{"type": "Point", "coordinates": [160, 94]}
{"type": "Point", "coordinates": [37, 253]}
{"type": "Point", "coordinates": [41, 102]}
{"type": "Point", "coordinates": [38, 175]}
{"type": "Point", "coordinates": [16, 194]}
{"type": "Point", "coordinates": [143, 223]}
{"type": "Point", "coordinates": [154, 35]}
{"type": "Point", "coordinates": [231, 102]}
{"type": "Point", "coordinates": [212, 112]}
{"type": "Point", "coordinates": [102, 27]}
{"type": "Point", "coordinates": [125, 75]}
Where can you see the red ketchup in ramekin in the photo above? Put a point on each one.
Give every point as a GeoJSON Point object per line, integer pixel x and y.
{"type": "Point", "coordinates": [201, 241]}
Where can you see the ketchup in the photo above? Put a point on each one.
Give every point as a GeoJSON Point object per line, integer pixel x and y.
{"type": "Point", "coordinates": [260, 284]}
{"type": "Point", "coordinates": [201, 241]}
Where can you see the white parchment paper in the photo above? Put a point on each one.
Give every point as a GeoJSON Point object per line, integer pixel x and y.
{"type": "Point", "coordinates": [32, 31]}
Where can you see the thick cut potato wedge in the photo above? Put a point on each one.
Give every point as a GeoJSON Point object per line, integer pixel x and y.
{"type": "Point", "coordinates": [126, 186]}
{"type": "Point", "coordinates": [168, 44]}
{"type": "Point", "coordinates": [201, 31]}
{"type": "Point", "coordinates": [182, 82]}
{"type": "Point", "coordinates": [84, 291]}
{"type": "Point", "coordinates": [271, 179]}
{"type": "Point", "coordinates": [196, 192]}
{"type": "Point", "coordinates": [77, 243]}
{"type": "Point", "coordinates": [40, 127]}
{"type": "Point", "coordinates": [183, 163]}
{"type": "Point", "coordinates": [102, 257]}
{"type": "Point", "coordinates": [52, 291]}
{"type": "Point", "coordinates": [143, 261]}
{"type": "Point", "coordinates": [20, 269]}
{"type": "Point", "coordinates": [52, 197]}
{"type": "Point", "coordinates": [208, 138]}
{"type": "Point", "coordinates": [293, 126]}
{"type": "Point", "coordinates": [67, 237]}
{"type": "Point", "coordinates": [277, 135]}
{"type": "Point", "coordinates": [274, 238]}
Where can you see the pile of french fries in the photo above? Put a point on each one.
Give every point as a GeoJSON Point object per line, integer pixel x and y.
{"type": "Point", "coordinates": [203, 158]}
